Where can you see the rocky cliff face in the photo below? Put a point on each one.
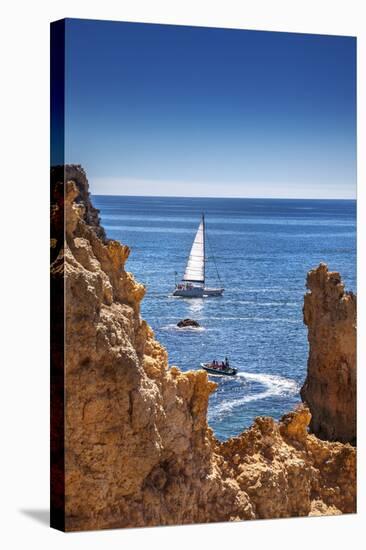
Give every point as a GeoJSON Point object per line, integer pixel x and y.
{"type": "Point", "coordinates": [330, 386]}
{"type": "Point", "coordinates": [138, 450]}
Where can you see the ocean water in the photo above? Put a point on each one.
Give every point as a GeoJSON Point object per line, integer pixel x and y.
{"type": "Point", "coordinates": [263, 249]}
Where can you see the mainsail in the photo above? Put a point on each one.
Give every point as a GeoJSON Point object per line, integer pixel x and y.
{"type": "Point", "coordinates": [195, 270]}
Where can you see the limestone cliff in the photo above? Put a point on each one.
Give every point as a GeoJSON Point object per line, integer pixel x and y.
{"type": "Point", "coordinates": [138, 450]}
{"type": "Point", "coordinates": [330, 386]}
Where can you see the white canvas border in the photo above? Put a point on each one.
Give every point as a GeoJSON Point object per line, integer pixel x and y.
{"type": "Point", "coordinates": [24, 274]}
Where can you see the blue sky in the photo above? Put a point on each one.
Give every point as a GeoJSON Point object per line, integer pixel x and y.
{"type": "Point", "coordinates": [170, 110]}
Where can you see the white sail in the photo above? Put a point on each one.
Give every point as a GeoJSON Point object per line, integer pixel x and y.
{"type": "Point", "coordinates": [195, 270]}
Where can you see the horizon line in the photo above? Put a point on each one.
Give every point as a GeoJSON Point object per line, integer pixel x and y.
{"type": "Point", "coordinates": [220, 197]}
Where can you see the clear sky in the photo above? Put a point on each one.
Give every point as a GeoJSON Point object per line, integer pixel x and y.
{"type": "Point", "coordinates": [173, 110]}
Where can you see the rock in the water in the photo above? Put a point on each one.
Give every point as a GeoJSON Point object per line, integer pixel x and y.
{"type": "Point", "coordinates": [330, 386]}
{"type": "Point", "coordinates": [188, 323]}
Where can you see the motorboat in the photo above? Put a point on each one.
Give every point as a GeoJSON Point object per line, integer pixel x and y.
{"type": "Point", "coordinates": [219, 368]}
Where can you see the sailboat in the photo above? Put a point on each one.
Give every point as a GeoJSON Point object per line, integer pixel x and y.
{"type": "Point", "coordinates": [192, 284]}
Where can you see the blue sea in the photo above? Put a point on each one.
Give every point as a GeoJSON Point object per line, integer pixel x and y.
{"type": "Point", "coordinates": [263, 249]}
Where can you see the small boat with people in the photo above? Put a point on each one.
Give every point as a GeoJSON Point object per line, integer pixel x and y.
{"type": "Point", "coordinates": [219, 367]}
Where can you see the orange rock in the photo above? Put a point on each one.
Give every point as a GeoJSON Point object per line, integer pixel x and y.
{"type": "Point", "coordinates": [330, 386]}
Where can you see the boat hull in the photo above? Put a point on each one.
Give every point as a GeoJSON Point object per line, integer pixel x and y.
{"type": "Point", "coordinates": [229, 372]}
{"type": "Point", "coordinates": [213, 291]}
{"type": "Point", "coordinates": [189, 292]}
{"type": "Point", "coordinates": [197, 292]}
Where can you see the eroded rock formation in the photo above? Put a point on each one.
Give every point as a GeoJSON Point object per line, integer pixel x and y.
{"type": "Point", "coordinates": [330, 386]}
{"type": "Point", "coordinates": [138, 450]}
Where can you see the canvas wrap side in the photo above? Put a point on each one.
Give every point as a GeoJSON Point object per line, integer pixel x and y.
{"type": "Point", "coordinates": [57, 101]}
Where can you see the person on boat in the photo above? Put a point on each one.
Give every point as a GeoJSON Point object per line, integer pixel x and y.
{"type": "Point", "coordinates": [226, 362]}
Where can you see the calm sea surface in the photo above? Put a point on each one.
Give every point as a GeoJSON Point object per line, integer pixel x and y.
{"type": "Point", "coordinates": [263, 249]}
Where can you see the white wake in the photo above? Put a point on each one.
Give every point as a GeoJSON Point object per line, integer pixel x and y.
{"type": "Point", "coordinates": [272, 384]}
{"type": "Point", "coordinates": [174, 328]}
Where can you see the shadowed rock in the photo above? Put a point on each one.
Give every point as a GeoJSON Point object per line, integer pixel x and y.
{"type": "Point", "coordinates": [330, 386]}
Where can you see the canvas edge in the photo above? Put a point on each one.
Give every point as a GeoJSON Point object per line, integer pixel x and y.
{"type": "Point", "coordinates": [57, 320]}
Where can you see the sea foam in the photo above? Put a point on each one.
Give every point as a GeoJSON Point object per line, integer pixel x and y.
{"type": "Point", "coordinates": [272, 385]}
